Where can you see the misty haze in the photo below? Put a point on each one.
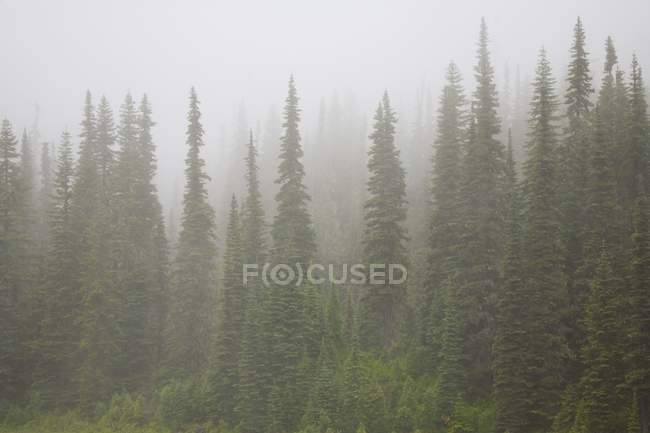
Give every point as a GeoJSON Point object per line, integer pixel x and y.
{"type": "Point", "coordinates": [324, 217]}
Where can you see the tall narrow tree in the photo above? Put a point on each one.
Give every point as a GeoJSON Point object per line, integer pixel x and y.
{"type": "Point", "coordinates": [11, 251]}
{"type": "Point", "coordinates": [445, 213]}
{"type": "Point", "coordinates": [574, 156]}
{"type": "Point", "coordinates": [293, 236]}
{"type": "Point", "coordinates": [225, 380]}
{"type": "Point", "coordinates": [510, 381]}
{"type": "Point", "coordinates": [293, 245]}
{"type": "Point", "coordinates": [384, 235]}
{"type": "Point", "coordinates": [543, 284]}
{"type": "Point", "coordinates": [60, 339]}
{"type": "Point", "coordinates": [100, 314]}
{"type": "Point", "coordinates": [483, 208]}
{"type": "Point", "coordinates": [194, 272]}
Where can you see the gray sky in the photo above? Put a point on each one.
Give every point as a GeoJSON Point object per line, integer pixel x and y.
{"type": "Point", "coordinates": [234, 51]}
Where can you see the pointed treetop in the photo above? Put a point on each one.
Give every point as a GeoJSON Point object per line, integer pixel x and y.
{"type": "Point", "coordinates": [234, 207]}
{"type": "Point", "coordinates": [579, 34]}
{"type": "Point", "coordinates": [610, 59]}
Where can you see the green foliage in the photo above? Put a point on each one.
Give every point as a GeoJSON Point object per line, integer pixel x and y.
{"type": "Point", "coordinates": [194, 268]}
{"type": "Point", "coordinates": [292, 233]}
{"type": "Point", "coordinates": [530, 313]}
{"type": "Point", "coordinates": [542, 276]}
{"type": "Point", "coordinates": [225, 377]}
{"type": "Point", "coordinates": [482, 209]}
{"type": "Point", "coordinates": [182, 402]}
{"type": "Point", "coordinates": [384, 235]}
{"type": "Point", "coordinates": [445, 231]}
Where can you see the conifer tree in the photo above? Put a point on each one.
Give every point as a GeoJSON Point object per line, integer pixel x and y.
{"type": "Point", "coordinates": [253, 216]}
{"type": "Point", "coordinates": [26, 224]}
{"type": "Point", "coordinates": [226, 377]}
{"type": "Point", "coordinates": [451, 381]}
{"type": "Point", "coordinates": [105, 152]}
{"type": "Point", "coordinates": [637, 156]}
{"type": "Point", "coordinates": [27, 257]}
{"type": "Point", "coordinates": [101, 311]}
{"type": "Point", "coordinates": [322, 411]}
{"type": "Point", "coordinates": [27, 176]}
{"type": "Point", "coordinates": [11, 349]}
{"type": "Point", "coordinates": [543, 284]}
{"type": "Point", "coordinates": [574, 156]}
{"type": "Point", "coordinates": [45, 192]}
{"type": "Point", "coordinates": [142, 251]}
{"type": "Point", "coordinates": [602, 350]}
{"type": "Point", "coordinates": [352, 382]}
{"type": "Point", "coordinates": [638, 314]}
{"type": "Point", "coordinates": [483, 208]}
{"type": "Point", "coordinates": [384, 235]}
{"type": "Point", "coordinates": [194, 278]}
{"type": "Point", "coordinates": [85, 185]}
{"type": "Point", "coordinates": [253, 371]}
{"type": "Point", "coordinates": [153, 242]}
{"type": "Point", "coordinates": [60, 338]}
{"type": "Point", "coordinates": [84, 203]}
{"type": "Point", "coordinates": [293, 236]}
{"type": "Point", "coordinates": [603, 222]}
{"type": "Point", "coordinates": [510, 389]}
{"type": "Point", "coordinates": [445, 233]}
{"type": "Point", "coordinates": [293, 245]}
{"type": "Point", "coordinates": [253, 380]}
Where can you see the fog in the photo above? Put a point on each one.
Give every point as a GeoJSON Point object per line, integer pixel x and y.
{"type": "Point", "coordinates": [239, 56]}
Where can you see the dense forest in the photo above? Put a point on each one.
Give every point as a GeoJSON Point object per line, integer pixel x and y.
{"type": "Point", "coordinates": [527, 240]}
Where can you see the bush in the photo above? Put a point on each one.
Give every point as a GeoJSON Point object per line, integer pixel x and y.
{"type": "Point", "coordinates": [124, 411]}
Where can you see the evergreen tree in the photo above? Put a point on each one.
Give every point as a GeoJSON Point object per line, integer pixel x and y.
{"type": "Point", "coordinates": [253, 370]}
{"type": "Point", "coordinates": [11, 250]}
{"type": "Point", "coordinates": [482, 222]}
{"type": "Point", "coordinates": [45, 193]}
{"type": "Point", "coordinates": [573, 174]}
{"type": "Point", "coordinates": [293, 245]}
{"type": "Point", "coordinates": [226, 377]}
{"type": "Point", "coordinates": [352, 382]}
{"type": "Point", "coordinates": [253, 382]}
{"type": "Point", "coordinates": [105, 152]}
{"type": "Point", "coordinates": [293, 236]}
{"type": "Point", "coordinates": [322, 411]}
{"type": "Point", "coordinates": [27, 183]}
{"type": "Point", "coordinates": [510, 386]}
{"type": "Point", "coordinates": [194, 279]}
{"type": "Point", "coordinates": [543, 284]}
{"type": "Point", "coordinates": [444, 237]}
{"type": "Point", "coordinates": [638, 315]}
{"type": "Point", "coordinates": [84, 202]}
{"type": "Point", "coordinates": [253, 216]}
{"type": "Point", "coordinates": [637, 156]}
{"type": "Point", "coordinates": [27, 261]}
{"type": "Point", "coordinates": [141, 243]}
{"type": "Point", "coordinates": [60, 336]}
{"type": "Point", "coordinates": [602, 350]}
{"type": "Point", "coordinates": [451, 381]}
{"type": "Point", "coordinates": [384, 235]}
{"type": "Point", "coordinates": [603, 223]}
{"type": "Point", "coordinates": [100, 316]}
{"type": "Point", "coordinates": [153, 239]}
